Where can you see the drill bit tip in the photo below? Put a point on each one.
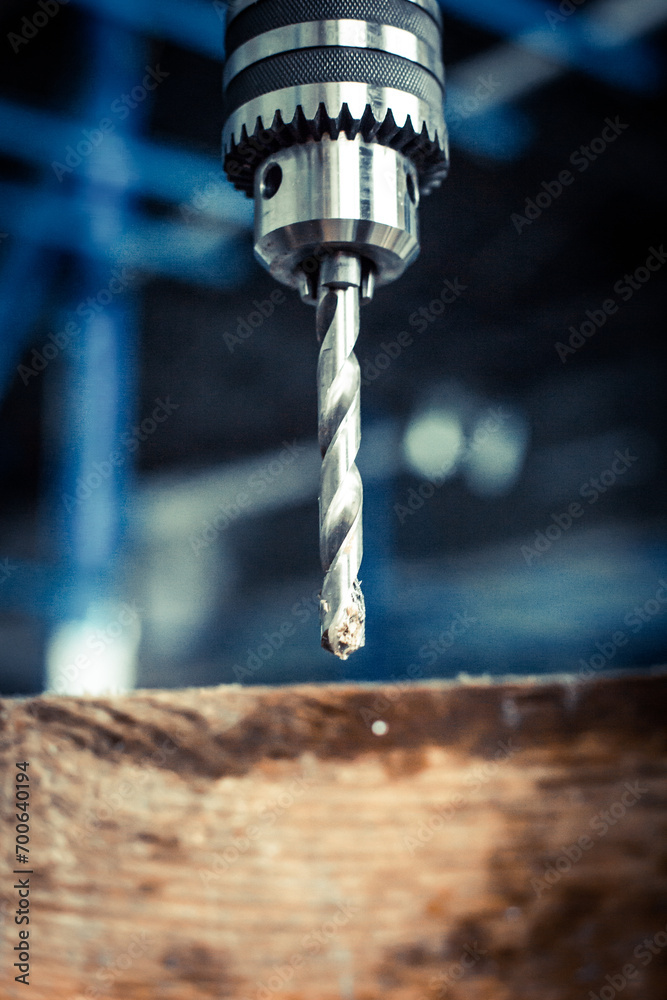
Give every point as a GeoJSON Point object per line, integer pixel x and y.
{"type": "Point", "coordinates": [347, 633]}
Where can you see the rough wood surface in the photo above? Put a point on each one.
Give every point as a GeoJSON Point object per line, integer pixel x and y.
{"type": "Point", "coordinates": [246, 844]}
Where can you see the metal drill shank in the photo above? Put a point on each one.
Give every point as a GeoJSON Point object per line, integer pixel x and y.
{"type": "Point", "coordinates": [342, 611]}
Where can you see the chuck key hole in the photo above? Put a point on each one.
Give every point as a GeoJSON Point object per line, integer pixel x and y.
{"type": "Point", "coordinates": [273, 178]}
{"type": "Point", "coordinates": [412, 191]}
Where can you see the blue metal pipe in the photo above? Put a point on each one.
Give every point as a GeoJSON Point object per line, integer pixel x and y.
{"type": "Point", "coordinates": [93, 472]}
{"type": "Point", "coordinates": [574, 42]}
{"type": "Point", "coordinates": [140, 167]}
{"type": "Point", "coordinates": [199, 26]}
{"type": "Point", "coordinates": [192, 24]}
{"type": "Point", "coordinates": [202, 256]}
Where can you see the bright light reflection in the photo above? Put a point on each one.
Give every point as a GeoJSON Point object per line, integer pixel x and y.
{"type": "Point", "coordinates": [496, 454]}
{"type": "Point", "coordinates": [97, 655]}
{"type": "Point", "coordinates": [433, 443]}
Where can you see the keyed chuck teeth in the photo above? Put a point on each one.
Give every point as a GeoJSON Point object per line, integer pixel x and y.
{"type": "Point", "coordinates": [299, 70]}
{"type": "Point", "coordinates": [426, 146]}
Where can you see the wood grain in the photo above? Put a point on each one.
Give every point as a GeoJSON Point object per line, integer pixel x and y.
{"type": "Point", "coordinates": [257, 843]}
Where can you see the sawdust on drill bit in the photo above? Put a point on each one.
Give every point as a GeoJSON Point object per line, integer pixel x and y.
{"type": "Point", "coordinates": [350, 634]}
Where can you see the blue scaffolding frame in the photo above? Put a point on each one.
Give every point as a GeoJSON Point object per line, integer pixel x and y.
{"type": "Point", "coordinates": [94, 217]}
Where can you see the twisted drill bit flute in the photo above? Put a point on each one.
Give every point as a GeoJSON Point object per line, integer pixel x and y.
{"type": "Point", "coordinates": [333, 123]}
{"type": "Point", "coordinates": [339, 405]}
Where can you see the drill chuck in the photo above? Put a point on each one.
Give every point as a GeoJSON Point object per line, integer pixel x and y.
{"type": "Point", "coordinates": [333, 123]}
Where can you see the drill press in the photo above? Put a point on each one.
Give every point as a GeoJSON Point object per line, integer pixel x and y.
{"type": "Point", "coordinates": [333, 123]}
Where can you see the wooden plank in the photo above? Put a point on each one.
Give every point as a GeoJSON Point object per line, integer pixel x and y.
{"type": "Point", "coordinates": [496, 842]}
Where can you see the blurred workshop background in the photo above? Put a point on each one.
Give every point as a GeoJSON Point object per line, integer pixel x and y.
{"type": "Point", "coordinates": [158, 450]}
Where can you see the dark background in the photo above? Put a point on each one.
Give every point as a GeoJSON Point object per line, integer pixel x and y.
{"type": "Point", "coordinates": [152, 199]}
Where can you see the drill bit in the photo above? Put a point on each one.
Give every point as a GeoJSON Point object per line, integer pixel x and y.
{"type": "Point", "coordinates": [342, 611]}
{"type": "Point", "coordinates": [333, 122]}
